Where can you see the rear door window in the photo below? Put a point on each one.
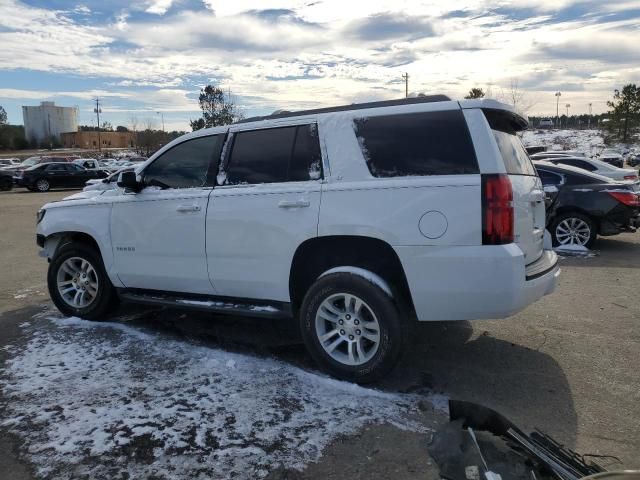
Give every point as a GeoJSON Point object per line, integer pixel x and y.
{"type": "Point", "coordinates": [417, 144]}
{"type": "Point", "coordinates": [274, 155]}
{"type": "Point", "coordinates": [549, 178]}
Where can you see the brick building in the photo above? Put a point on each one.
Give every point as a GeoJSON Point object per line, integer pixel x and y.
{"type": "Point", "coordinates": [84, 139]}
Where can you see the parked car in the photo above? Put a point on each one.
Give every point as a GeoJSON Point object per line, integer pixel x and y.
{"type": "Point", "coordinates": [107, 183]}
{"type": "Point", "coordinates": [612, 157]}
{"type": "Point", "coordinates": [633, 160]}
{"type": "Point", "coordinates": [45, 176]}
{"type": "Point", "coordinates": [31, 161]}
{"type": "Point", "coordinates": [9, 162]}
{"type": "Point", "coordinates": [584, 205]}
{"type": "Point", "coordinates": [6, 181]}
{"type": "Point", "coordinates": [546, 123]}
{"type": "Point", "coordinates": [596, 166]}
{"type": "Point", "coordinates": [352, 220]}
{"type": "Point", "coordinates": [554, 154]}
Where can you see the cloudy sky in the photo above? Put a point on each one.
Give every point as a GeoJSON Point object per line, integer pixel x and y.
{"type": "Point", "coordinates": [147, 56]}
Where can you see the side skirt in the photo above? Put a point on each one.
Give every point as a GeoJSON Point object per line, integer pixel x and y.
{"type": "Point", "coordinates": [222, 305]}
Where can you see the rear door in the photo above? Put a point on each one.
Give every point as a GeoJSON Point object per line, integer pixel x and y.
{"type": "Point", "coordinates": [266, 205]}
{"type": "Point", "coordinates": [528, 195]}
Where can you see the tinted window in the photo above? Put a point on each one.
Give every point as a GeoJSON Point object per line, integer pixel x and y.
{"type": "Point", "coordinates": [431, 143]}
{"type": "Point", "coordinates": [515, 157]}
{"type": "Point", "coordinates": [578, 163]}
{"type": "Point", "coordinates": [306, 162]}
{"type": "Point", "coordinates": [275, 155]}
{"type": "Point", "coordinates": [57, 168]}
{"type": "Point", "coordinates": [185, 165]}
{"type": "Point", "coordinates": [549, 178]}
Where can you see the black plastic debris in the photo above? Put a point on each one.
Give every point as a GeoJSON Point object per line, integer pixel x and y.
{"type": "Point", "coordinates": [497, 446]}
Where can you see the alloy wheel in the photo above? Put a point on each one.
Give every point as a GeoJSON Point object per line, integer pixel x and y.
{"type": "Point", "coordinates": [573, 231]}
{"type": "Point", "coordinates": [77, 282]}
{"type": "Point", "coordinates": [42, 185]}
{"type": "Point", "coordinates": [347, 329]}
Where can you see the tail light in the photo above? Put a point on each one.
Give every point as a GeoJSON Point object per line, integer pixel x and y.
{"type": "Point", "coordinates": [630, 177]}
{"type": "Point", "coordinates": [497, 210]}
{"type": "Point", "coordinates": [629, 199]}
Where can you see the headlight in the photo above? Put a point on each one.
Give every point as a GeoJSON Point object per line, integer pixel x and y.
{"type": "Point", "coordinates": [40, 215]}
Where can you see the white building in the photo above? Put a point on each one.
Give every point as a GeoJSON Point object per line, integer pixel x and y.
{"type": "Point", "coordinates": [47, 120]}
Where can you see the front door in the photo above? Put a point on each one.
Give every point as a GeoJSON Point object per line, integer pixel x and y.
{"type": "Point", "coordinates": [268, 204]}
{"type": "Point", "coordinates": [158, 234]}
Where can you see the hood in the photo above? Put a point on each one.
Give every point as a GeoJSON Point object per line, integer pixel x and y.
{"type": "Point", "coordinates": [85, 194]}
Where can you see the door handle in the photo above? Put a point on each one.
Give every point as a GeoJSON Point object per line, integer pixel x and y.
{"type": "Point", "coordinates": [188, 208]}
{"type": "Point", "coordinates": [294, 203]}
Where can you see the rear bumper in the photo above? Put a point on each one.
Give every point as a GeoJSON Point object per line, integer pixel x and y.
{"type": "Point", "coordinates": [475, 282]}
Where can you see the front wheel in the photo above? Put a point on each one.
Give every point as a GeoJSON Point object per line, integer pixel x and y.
{"type": "Point", "coordinates": [573, 229]}
{"type": "Point", "coordinates": [351, 327]}
{"type": "Point", "coordinates": [78, 283]}
{"type": "Point", "coordinates": [42, 185]}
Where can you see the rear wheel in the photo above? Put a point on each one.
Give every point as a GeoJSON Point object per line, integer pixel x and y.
{"type": "Point", "coordinates": [78, 283]}
{"type": "Point", "coordinates": [351, 327]}
{"type": "Point", "coordinates": [42, 185]}
{"type": "Point", "coordinates": [573, 229]}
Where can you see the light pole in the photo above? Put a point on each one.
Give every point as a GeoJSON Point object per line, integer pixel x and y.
{"type": "Point", "coordinates": [567, 106]}
{"type": "Point", "coordinates": [589, 121]}
{"type": "Point", "coordinates": [558, 94]}
{"type": "Point", "coordinates": [98, 111]}
{"type": "Point", "coordinates": [162, 117]}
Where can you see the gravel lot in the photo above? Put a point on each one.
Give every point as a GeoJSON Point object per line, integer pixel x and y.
{"type": "Point", "coordinates": [568, 365]}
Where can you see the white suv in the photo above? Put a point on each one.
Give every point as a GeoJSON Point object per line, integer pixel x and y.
{"type": "Point", "coordinates": [353, 220]}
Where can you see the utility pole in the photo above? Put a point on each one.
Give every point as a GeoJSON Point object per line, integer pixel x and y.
{"type": "Point", "coordinates": [405, 77]}
{"type": "Point", "coordinates": [98, 111]}
{"type": "Point", "coordinates": [558, 94]}
{"type": "Point", "coordinates": [589, 121]}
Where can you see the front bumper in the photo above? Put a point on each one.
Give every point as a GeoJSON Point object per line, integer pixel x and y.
{"type": "Point", "coordinates": [475, 282]}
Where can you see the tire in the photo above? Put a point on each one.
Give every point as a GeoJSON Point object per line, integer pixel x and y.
{"type": "Point", "coordinates": [584, 231]}
{"type": "Point", "coordinates": [6, 184]}
{"type": "Point", "coordinates": [99, 297]}
{"type": "Point", "coordinates": [42, 185]}
{"type": "Point", "coordinates": [369, 363]}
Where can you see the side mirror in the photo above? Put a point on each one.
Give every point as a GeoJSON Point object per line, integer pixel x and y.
{"type": "Point", "coordinates": [128, 181]}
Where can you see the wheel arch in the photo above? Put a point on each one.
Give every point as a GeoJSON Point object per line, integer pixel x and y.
{"type": "Point", "coordinates": [318, 255]}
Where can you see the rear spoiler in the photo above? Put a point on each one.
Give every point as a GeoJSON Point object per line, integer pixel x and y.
{"type": "Point", "coordinates": [500, 115]}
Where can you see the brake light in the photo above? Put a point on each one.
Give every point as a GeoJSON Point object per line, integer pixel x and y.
{"type": "Point", "coordinates": [630, 177]}
{"type": "Point", "coordinates": [497, 210]}
{"type": "Point", "coordinates": [629, 199]}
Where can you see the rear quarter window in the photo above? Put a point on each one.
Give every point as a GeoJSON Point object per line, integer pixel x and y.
{"type": "Point", "coordinates": [515, 157]}
{"type": "Point", "coordinates": [417, 144]}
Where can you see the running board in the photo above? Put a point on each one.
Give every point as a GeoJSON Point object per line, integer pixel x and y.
{"type": "Point", "coordinates": [224, 305]}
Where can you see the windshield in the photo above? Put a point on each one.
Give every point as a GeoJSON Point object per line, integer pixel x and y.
{"type": "Point", "coordinates": [30, 161]}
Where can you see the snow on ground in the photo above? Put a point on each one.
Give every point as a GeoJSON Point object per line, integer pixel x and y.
{"type": "Point", "coordinates": [106, 400]}
{"type": "Point", "coordinates": [590, 142]}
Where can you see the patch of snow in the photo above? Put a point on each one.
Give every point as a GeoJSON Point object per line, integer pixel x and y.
{"type": "Point", "coordinates": [361, 272]}
{"type": "Point", "coordinates": [574, 251]}
{"type": "Point", "coordinates": [20, 295]}
{"type": "Point", "coordinates": [24, 324]}
{"type": "Point", "coordinates": [263, 308]}
{"type": "Point", "coordinates": [105, 400]}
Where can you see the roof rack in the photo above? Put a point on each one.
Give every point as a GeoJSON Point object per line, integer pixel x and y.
{"type": "Point", "coordinates": [353, 106]}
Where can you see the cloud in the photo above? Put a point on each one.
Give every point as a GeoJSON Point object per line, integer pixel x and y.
{"type": "Point", "coordinates": [390, 26]}
{"type": "Point", "coordinates": [159, 7]}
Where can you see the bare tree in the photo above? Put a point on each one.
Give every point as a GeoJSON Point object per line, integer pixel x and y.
{"type": "Point", "coordinates": [521, 101]}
